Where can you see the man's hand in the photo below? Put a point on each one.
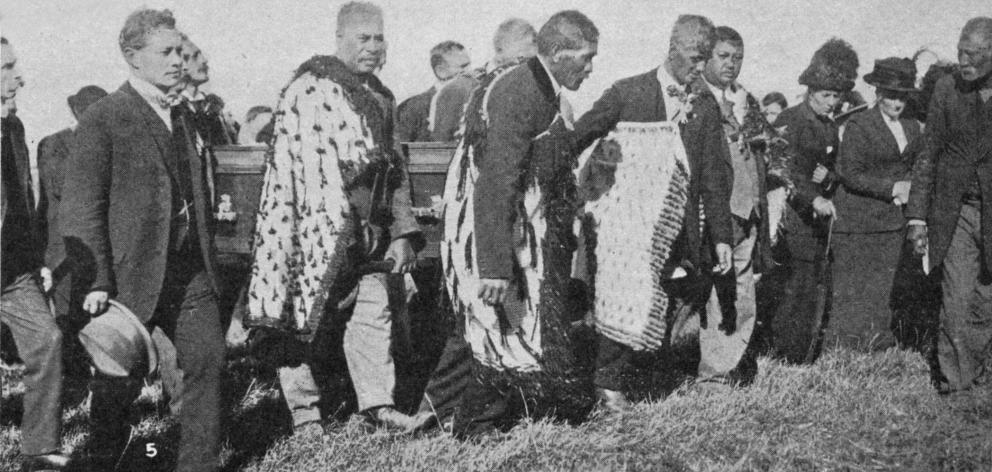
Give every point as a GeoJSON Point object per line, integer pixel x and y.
{"type": "Point", "coordinates": [820, 174]}
{"type": "Point", "coordinates": [493, 291]}
{"type": "Point", "coordinates": [823, 207]}
{"type": "Point", "coordinates": [725, 258]}
{"type": "Point", "coordinates": [403, 254]}
{"type": "Point", "coordinates": [46, 279]}
{"type": "Point", "coordinates": [917, 234]}
{"type": "Point", "coordinates": [96, 302]}
{"type": "Point", "coordinates": [900, 192]}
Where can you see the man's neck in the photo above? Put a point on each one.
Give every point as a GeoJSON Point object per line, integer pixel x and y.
{"type": "Point", "coordinates": [667, 66]}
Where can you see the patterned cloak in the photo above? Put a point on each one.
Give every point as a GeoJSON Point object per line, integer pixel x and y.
{"type": "Point", "coordinates": [330, 136]}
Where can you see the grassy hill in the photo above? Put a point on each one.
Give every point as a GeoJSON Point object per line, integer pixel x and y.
{"type": "Point", "coordinates": [850, 411]}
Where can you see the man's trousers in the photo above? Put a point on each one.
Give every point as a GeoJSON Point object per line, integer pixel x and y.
{"type": "Point", "coordinates": [367, 343]}
{"type": "Point", "coordinates": [25, 311]}
{"type": "Point", "coordinates": [965, 336]}
{"type": "Point", "coordinates": [722, 345]}
{"type": "Point", "coordinates": [187, 312]}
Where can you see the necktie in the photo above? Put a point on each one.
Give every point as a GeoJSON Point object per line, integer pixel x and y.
{"type": "Point", "coordinates": [729, 118]}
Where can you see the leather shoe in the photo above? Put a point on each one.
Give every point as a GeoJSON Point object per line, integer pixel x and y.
{"type": "Point", "coordinates": [388, 417]}
{"type": "Point", "coordinates": [45, 462]}
{"type": "Point", "coordinates": [612, 400]}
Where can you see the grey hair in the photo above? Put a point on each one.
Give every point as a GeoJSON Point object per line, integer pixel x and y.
{"type": "Point", "coordinates": [352, 10]}
{"type": "Point", "coordinates": [141, 23]}
{"type": "Point", "coordinates": [566, 30]}
{"type": "Point", "coordinates": [693, 30]}
{"type": "Point", "coordinates": [511, 30]}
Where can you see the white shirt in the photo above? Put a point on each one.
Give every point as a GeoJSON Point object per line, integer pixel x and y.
{"type": "Point", "coordinates": [432, 109]}
{"type": "Point", "coordinates": [735, 94]}
{"type": "Point", "coordinates": [672, 104]}
{"type": "Point", "coordinates": [896, 128]}
{"type": "Point", "coordinates": [152, 95]}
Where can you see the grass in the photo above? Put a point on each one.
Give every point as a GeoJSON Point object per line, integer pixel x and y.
{"type": "Point", "coordinates": [849, 411]}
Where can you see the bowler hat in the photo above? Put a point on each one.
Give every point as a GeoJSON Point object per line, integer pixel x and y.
{"type": "Point", "coordinates": [85, 97]}
{"type": "Point", "coordinates": [118, 343]}
{"type": "Point", "coordinates": [893, 73]}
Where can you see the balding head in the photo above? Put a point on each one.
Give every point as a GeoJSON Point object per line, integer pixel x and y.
{"type": "Point", "coordinates": [514, 40]}
{"type": "Point", "coordinates": [975, 49]}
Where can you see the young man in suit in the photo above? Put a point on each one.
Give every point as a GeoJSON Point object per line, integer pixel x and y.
{"type": "Point", "coordinates": [420, 118]}
{"type": "Point", "coordinates": [23, 307]}
{"type": "Point", "coordinates": [655, 96]}
{"type": "Point", "coordinates": [948, 210]}
{"type": "Point", "coordinates": [207, 116]}
{"type": "Point", "coordinates": [139, 229]}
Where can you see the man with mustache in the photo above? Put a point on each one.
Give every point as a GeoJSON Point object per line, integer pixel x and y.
{"type": "Point", "coordinates": [948, 212]}
{"type": "Point", "coordinates": [207, 117]}
{"type": "Point", "coordinates": [138, 228]}
{"type": "Point", "coordinates": [336, 197]}
{"type": "Point", "coordinates": [662, 94]}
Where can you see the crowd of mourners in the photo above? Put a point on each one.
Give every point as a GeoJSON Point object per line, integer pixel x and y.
{"type": "Point", "coordinates": [829, 222]}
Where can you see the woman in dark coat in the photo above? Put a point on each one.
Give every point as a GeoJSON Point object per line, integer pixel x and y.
{"type": "Point", "coordinates": [795, 301]}
{"type": "Point", "coordinates": [875, 165]}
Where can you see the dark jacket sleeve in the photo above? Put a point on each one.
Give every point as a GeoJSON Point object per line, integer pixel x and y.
{"type": "Point", "coordinates": [406, 122]}
{"type": "Point", "coordinates": [801, 166]}
{"type": "Point", "coordinates": [921, 191]}
{"type": "Point", "coordinates": [84, 224]}
{"type": "Point", "coordinates": [854, 162]}
{"type": "Point", "coordinates": [50, 179]}
{"type": "Point", "coordinates": [598, 121]}
{"type": "Point", "coordinates": [513, 115]}
{"type": "Point", "coordinates": [716, 176]}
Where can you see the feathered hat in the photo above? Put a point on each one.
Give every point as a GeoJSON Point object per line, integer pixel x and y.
{"type": "Point", "coordinates": [834, 67]}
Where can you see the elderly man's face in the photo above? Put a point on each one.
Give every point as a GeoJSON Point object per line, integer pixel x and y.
{"type": "Point", "coordinates": [687, 62]}
{"type": "Point", "coordinates": [455, 62]}
{"type": "Point", "coordinates": [361, 44]}
{"type": "Point", "coordinates": [724, 66]}
{"type": "Point", "coordinates": [195, 65]}
{"type": "Point", "coordinates": [975, 55]}
{"type": "Point", "coordinates": [160, 62]}
{"type": "Point", "coordinates": [10, 75]}
{"type": "Point", "coordinates": [572, 66]}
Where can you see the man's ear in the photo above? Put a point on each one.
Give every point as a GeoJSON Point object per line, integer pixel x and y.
{"type": "Point", "coordinates": [129, 54]}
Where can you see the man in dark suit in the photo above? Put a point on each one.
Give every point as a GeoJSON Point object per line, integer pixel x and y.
{"type": "Point", "coordinates": [23, 307]}
{"type": "Point", "coordinates": [139, 229]}
{"type": "Point", "coordinates": [419, 116]}
{"type": "Point", "coordinates": [656, 96]}
{"type": "Point", "coordinates": [207, 115]}
{"type": "Point", "coordinates": [948, 209]}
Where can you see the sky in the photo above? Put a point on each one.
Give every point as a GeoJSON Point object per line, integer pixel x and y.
{"type": "Point", "coordinates": [254, 45]}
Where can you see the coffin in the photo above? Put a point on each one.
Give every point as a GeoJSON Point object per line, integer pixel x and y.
{"type": "Point", "coordinates": [239, 174]}
{"type": "Point", "coordinates": [238, 180]}
{"type": "Point", "coordinates": [428, 165]}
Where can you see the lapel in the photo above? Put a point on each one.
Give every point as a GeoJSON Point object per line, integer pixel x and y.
{"type": "Point", "coordinates": [882, 129]}
{"type": "Point", "coordinates": [160, 133]}
{"type": "Point", "coordinates": [543, 81]}
{"type": "Point", "coordinates": [656, 95]}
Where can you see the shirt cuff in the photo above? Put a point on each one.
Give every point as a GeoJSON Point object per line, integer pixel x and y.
{"type": "Point", "coordinates": [916, 222]}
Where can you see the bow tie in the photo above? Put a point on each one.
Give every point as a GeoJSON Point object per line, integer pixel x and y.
{"type": "Point", "coordinates": [169, 100]}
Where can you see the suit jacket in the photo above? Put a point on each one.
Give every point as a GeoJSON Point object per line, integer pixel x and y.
{"type": "Point", "coordinates": [522, 104]}
{"type": "Point", "coordinates": [23, 246]}
{"type": "Point", "coordinates": [53, 151]}
{"type": "Point", "coordinates": [121, 173]}
{"type": "Point", "coordinates": [869, 164]}
{"type": "Point", "coordinates": [814, 140]}
{"type": "Point", "coordinates": [957, 150]}
{"type": "Point", "coordinates": [639, 99]}
{"type": "Point", "coordinates": [411, 116]}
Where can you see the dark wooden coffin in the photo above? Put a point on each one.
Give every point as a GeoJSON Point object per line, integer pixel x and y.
{"type": "Point", "coordinates": [238, 179]}
{"type": "Point", "coordinates": [428, 168]}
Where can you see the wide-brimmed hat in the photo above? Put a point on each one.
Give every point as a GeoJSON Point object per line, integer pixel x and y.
{"type": "Point", "coordinates": [118, 343]}
{"type": "Point", "coordinates": [834, 67]}
{"type": "Point", "coordinates": [893, 73]}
